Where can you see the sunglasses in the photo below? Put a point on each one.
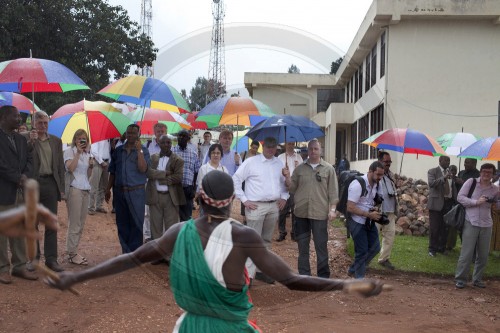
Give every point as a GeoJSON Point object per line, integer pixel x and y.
{"type": "Point", "coordinates": [318, 177]}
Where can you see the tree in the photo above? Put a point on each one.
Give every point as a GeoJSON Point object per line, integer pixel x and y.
{"type": "Point", "coordinates": [336, 65]}
{"type": "Point", "coordinates": [92, 38]}
{"type": "Point", "coordinates": [294, 69]}
{"type": "Point", "coordinates": [197, 94]}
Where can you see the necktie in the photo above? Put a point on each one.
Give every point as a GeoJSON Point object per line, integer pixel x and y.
{"type": "Point", "coordinates": [446, 185]}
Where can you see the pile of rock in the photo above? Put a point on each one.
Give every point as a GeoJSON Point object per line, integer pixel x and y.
{"type": "Point", "coordinates": [413, 214]}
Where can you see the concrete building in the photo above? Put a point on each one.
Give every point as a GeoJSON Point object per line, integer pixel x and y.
{"type": "Point", "coordinates": [431, 65]}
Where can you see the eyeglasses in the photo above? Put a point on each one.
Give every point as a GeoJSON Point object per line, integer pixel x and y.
{"type": "Point", "coordinates": [388, 162]}
{"type": "Point", "coordinates": [318, 177]}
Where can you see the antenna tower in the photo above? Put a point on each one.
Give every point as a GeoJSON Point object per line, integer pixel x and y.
{"type": "Point", "coordinates": [147, 29]}
{"type": "Point", "coordinates": [216, 68]}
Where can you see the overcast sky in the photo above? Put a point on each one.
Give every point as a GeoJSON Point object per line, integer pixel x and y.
{"type": "Point", "coordinates": [335, 21]}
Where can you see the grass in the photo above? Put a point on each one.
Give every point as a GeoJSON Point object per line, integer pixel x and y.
{"type": "Point", "coordinates": [410, 254]}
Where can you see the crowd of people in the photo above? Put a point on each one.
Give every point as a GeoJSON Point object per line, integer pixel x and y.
{"type": "Point", "coordinates": [154, 186]}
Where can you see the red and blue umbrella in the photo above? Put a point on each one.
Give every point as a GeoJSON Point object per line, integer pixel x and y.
{"type": "Point", "coordinates": [243, 111]}
{"type": "Point", "coordinates": [38, 75]}
{"type": "Point", "coordinates": [146, 92]}
{"type": "Point", "coordinates": [286, 128]}
{"type": "Point", "coordinates": [485, 149]}
{"type": "Point", "coordinates": [23, 104]}
{"type": "Point", "coordinates": [405, 140]}
{"type": "Point", "coordinates": [146, 119]}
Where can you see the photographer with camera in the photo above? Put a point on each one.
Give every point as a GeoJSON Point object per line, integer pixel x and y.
{"type": "Point", "coordinates": [390, 208]}
{"type": "Point", "coordinates": [79, 164]}
{"type": "Point", "coordinates": [362, 217]}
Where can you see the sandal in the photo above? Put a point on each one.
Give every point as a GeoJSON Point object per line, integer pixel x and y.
{"type": "Point", "coordinates": [78, 260]}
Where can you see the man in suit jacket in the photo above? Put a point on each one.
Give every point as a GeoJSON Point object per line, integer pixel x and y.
{"type": "Point", "coordinates": [16, 165]}
{"type": "Point", "coordinates": [48, 170]}
{"type": "Point", "coordinates": [164, 191]}
{"type": "Point", "coordinates": [442, 192]}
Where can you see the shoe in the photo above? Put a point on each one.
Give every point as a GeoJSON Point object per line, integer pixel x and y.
{"type": "Point", "coordinates": [387, 264]}
{"type": "Point", "coordinates": [54, 266]}
{"type": "Point", "coordinates": [24, 274]}
{"type": "Point", "coordinates": [264, 278]}
{"type": "Point", "coordinates": [281, 238]}
{"type": "Point", "coordinates": [432, 254]}
{"type": "Point", "coordinates": [5, 278]}
{"type": "Point", "coordinates": [479, 284]}
{"type": "Point", "coordinates": [91, 212]}
{"type": "Point", "coordinates": [77, 259]}
{"type": "Point", "coordinates": [29, 266]}
{"type": "Point", "coordinates": [101, 210]}
{"type": "Point", "coordinates": [460, 285]}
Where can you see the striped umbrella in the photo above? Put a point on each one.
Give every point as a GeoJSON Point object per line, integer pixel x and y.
{"type": "Point", "coordinates": [38, 75]}
{"type": "Point", "coordinates": [455, 143]}
{"type": "Point", "coordinates": [405, 140]}
{"type": "Point", "coordinates": [23, 104]}
{"type": "Point", "coordinates": [100, 125]}
{"type": "Point", "coordinates": [147, 118]}
{"type": "Point", "coordinates": [243, 111]}
{"type": "Point", "coordinates": [84, 106]}
{"type": "Point", "coordinates": [146, 92]}
{"type": "Point", "coordinates": [484, 149]}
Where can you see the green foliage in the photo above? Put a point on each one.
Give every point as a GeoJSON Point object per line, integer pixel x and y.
{"type": "Point", "coordinates": [336, 65]}
{"type": "Point", "coordinates": [197, 95]}
{"type": "Point", "coordinates": [293, 69]}
{"type": "Point", "coordinates": [91, 37]}
{"type": "Point", "coordinates": [409, 254]}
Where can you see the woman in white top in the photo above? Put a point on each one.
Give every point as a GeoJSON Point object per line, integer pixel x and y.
{"type": "Point", "coordinates": [214, 163]}
{"type": "Point", "coordinates": [79, 163]}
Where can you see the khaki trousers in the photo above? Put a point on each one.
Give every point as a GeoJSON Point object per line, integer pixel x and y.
{"type": "Point", "coordinates": [387, 232]}
{"type": "Point", "coordinates": [162, 215]}
{"type": "Point", "coordinates": [77, 204]}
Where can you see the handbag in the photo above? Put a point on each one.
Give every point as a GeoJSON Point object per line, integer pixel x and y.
{"type": "Point", "coordinates": [456, 215]}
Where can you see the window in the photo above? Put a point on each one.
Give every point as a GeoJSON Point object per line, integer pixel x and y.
{"type": "Point", "coordinates": [374, 66]}
{"type": "Point", "coordinates": [348, 92]}
{"type": "Point", "coordinates": [376, 125]}
{"type": "Point", "coordinates": [354, 141]}
{"type": "Point", "coordinates": [328, 96]}
{"type": "Point", "coordinates": [363, 135]}
{"type": "Point", "coordinates": [352, 90]}
{"type": "Point", "coordinates": [367, 73]}
{"type": "Point", "coordinates": [356, 86]}
{"type": "Point", "coordinates": [360, 81]}
{"type": "Point", "coordinates": [382, 54]}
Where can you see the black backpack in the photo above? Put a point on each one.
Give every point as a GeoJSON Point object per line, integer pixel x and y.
{"type": "Point", "coordinates": [345, 179]}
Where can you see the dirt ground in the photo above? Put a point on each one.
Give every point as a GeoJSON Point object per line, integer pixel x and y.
{"type": "Point", "coordinates": [141, 301]}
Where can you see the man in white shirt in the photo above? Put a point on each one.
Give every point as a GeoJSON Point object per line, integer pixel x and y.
{"type": "Point", "coordinates": [99, 177]}
{"type": "Point", "coordinates": [264, 196]}
{"type": "Point", "coordinates": [207, 142]}
{"type": "Point", "coordinates": [291, 160]}
{"type": "Point", "coordinates": [362, 217]}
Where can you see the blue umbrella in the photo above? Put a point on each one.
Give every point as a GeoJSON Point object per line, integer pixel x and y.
{"type": "Point", "coordinates": [286, 128]}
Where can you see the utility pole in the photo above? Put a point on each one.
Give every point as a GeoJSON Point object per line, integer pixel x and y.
{"type": "Point", "coordinates": [147, 29]}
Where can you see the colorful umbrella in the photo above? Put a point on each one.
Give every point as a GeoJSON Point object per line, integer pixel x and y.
{"type": "Point", "coordinates": [147, 118]}
{"type": "Point", "coordinates": [405, 140]}
{"type": "Point", "coordinates": [84, 106]}
{"type": "Point", "coordinates": [455, 143]}
{"type": "Point", "coordinates": [101, 125]}
{"type": "Point", "coordinates": [146, 92]}
{"type": "Point", "coordinates": [484, 149]}
{"type": "Point", "coordinates": [23, 104]}
{"type": "Point", "coordinates": [38, 75]}
{"type": "Point", "coordinates": [243, 111]}
{"type": "Point", "coordinates": [192, 119]}
{"type": "Point", "coordinates": [286, 128]}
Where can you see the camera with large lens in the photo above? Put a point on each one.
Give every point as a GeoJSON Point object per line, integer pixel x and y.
{"type": "Point", "coordinates": [384, 220]}
{"type": "Point", "coordinates": [377, 200]}
{"type": "Point", "coordinates": [490, 200]}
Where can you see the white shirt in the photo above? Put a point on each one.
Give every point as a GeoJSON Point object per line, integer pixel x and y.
{"type": "Point", "coordinates": [291, 160]}
{"type": "Point", "coordinates": [263, 179]}
{"type": "Point", "coordinates": [101, 151]}
{"type": "Point", "coordinates": [162, 165]}
{"type": "Point", "coordinates": [204, 169]}
{"type": "Point", "coordinates": [154, 147]}
{"type": "Point", "coordinates": [364, 203]}
{"type": "Point", "coordinates": [81, 180]}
